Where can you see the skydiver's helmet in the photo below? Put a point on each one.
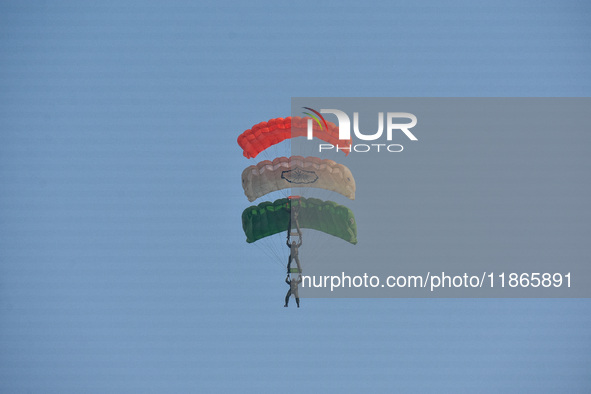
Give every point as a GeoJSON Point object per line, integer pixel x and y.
{"type": "Point", "coordinates": [293, 243]}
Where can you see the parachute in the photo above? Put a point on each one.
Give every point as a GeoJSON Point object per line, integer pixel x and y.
{"type": "Point", "coordinates": [297, 171]}
{"type": "Point", "coordinates": [270, 218]}
{"type": "Point", "coordinates": [288, 216]}
{"type": "Point", "coordinates": [265, 134]}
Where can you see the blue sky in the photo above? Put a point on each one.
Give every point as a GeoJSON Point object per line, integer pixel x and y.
{"type": "Point", "coordinates": [123, 266]}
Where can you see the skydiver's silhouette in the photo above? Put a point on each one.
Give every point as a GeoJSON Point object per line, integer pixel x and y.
{"type": "Point", "coordinates": [293, 289]}
{"type": "Point", "coordinates": [293, 254]}
{"type": "Point", "coordinates": [293, 246]}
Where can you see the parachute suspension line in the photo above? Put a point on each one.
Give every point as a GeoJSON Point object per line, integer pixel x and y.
{"type": "Point", "coordinates": [277, 255]}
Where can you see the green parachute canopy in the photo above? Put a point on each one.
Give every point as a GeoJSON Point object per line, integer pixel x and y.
{"type": "Point", "coordinates": [268, 218]}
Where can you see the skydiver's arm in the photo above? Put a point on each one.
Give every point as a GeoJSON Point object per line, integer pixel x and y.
{"type": "Point", "coordinates": [287, 243]}
{"type": "Point", "coordinates": [287, 279]}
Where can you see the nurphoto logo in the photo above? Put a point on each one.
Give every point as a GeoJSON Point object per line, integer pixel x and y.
{"type": "Point", "coordinates": [393, 126]}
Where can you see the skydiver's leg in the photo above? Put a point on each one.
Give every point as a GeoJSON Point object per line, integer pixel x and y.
{"type": "Point", "coordinates": [287, 297]}
{"type": "Point", "coordinates": [297, 296]}
{"type": "Point", "coordinates": [297, 259]}
{"type": "Point", "coordinates": [289, 263]}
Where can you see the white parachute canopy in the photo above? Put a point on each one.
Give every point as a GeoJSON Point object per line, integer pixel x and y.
{"type": "Point", "coordinates": [297, 171]}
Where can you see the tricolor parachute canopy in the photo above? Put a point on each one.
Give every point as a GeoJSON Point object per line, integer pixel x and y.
{"type": "Point", "coordinates": [297, 171]}
{"type": "Point", "coordinates": [265, 134]}
{"type": "Point", "coordinates": [270, 218]}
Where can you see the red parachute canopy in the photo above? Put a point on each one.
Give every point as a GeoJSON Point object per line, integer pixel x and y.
{"type": "Point", "coordinates": [266, 134]}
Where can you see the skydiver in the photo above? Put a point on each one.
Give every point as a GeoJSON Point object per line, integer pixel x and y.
{"type": "Point", "coordinates": [293, 254]}
{"type": "Point", "coordinates": [297, 223]}
{"type": "Point", "coordinates": [293, 246]}
{"type": "Point", "coordinates": [293, 289]}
